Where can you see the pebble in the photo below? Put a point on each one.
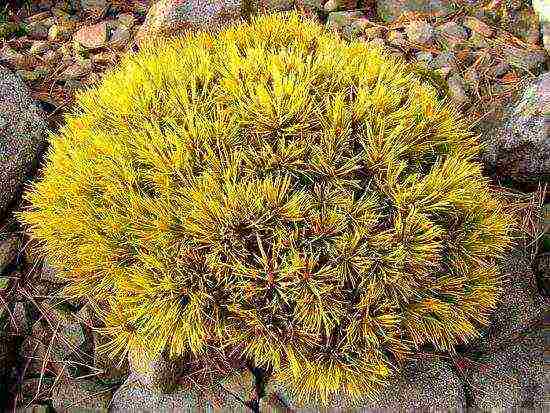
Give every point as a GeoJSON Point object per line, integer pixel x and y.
{"type": "Point", "coordinates": [478, 26]}
{"type": "Point", "coordinates": [39, 47]}
{"type": "Point", "coordinates": [445, 59]}
{"type": "Point", "coordinates": [452, 33]}
{"type": "Point", "coordinates": [93, 5]}
{"type": "Point", "coordinates": [32, 75]}
{"type": "Point", "coordinates": [397, 38]}
{"type": "Point", "coordinates": [374, 32]}
{"type": "Point", "coordinates": [120, 37]}
{"type": "Point", "coordinates": [92, 37]}
{"type": "Point", "coordinates": [425, 58]}
{"type": "Point", "coordinates": [457, 89]}
{"type": "Point", "coordinates": [477, 41]}
{"type": "Point", "coordinates": [420, 32]}
{"type": "Point", "coordinates": [76, 71]}
{"type": "Point", "coordinates": [331, 5]}
{"type": "Point", "coordinates": [525, 59]}
{"type": "Point", "coordinates": [103, 58]}
{"type": "Point", "coordinates": [471, 76]}
{"type": "Point", "coordinates": [377, 42]}
{"type": "Point", "coordinates": [127, 19]}
{"type": "Point", "coordinates": [60, 32]}
{"type": "Point", "coordinates": [8, 250]}
{"type": "Point", "coordinates": [34, 18]}
{"type": "Point", "coordinates": [500, 69]}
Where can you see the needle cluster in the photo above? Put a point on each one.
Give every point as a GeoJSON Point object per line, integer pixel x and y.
{"type": "Point", "coordinates": [302, 201]}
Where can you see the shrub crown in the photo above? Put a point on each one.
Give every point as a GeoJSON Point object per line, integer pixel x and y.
{"type": "Point", "coordinates": [275, 191]}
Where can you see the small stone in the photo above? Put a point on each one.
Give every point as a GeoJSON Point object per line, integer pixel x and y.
{"type": "Point", "coordinates": [69, 395]}
{"type": "Point", "coordinates": [424, 58]}
{"type": "Point", "coordinates": [126, 19]}
{"type": "Point", "coordinates": [452, 33]}
{"type": "Point", "coordinates": [51, 56]}
{"type": "Point", "coordinates": [120, 38]}
{"type": "Point", "coordinates": [331, 5]}
{"type": "Point", "coordinates": [8, 250]}
{"type": "Point", "coordinates": [93, 5]}
{"type": "Point", "coordinates": [92, 37]}
{"type": "Point", "coordinates": [32, 75]}
{"type": "Point", "coordinates": [478, 26]}
{"type": "Point", "coordinates": [103, 58]}
{"type": "Point", "coordinates": [39, 30]}
{"type": "Point", "coordinates": [374, 32]}
{"type": "Point", "coordinates": [531, 60]}
{"type": "Point", "coordinates": [444, 60]}
{"type": "Point", "coordinates": [76, 71]}
{"type": "Point", "coordinates": [339, 20]}
{"type": "Point", "coordinates": [34, 18]}
{"type": "Point", "coordinates": [22, 323]}
{"type": "Point", "coordinates": [457, 89]}
{"type": "Point", "coordinates": [159, 375]}
{"type": "Point", "coordinates": [499, 70]}
{"type": "Point", "coordinates": [39, 47]}
{"type": "Point", "coordinates": [390, 10]}
{"type": "Point", "coordinates": [419, 32]}
{"type": "Point", "coordinates": [377, 43]}
{"type": "Point", "coordinates": [60, 32]}
{"type": "Point", "coordinates": [397, 38]}
{"type": "Point", "coordinates": [471, 76]}
{"type": "Point", "coordinates": [11, 56]}
{"type": "Point", "coordinates": [477, 41]}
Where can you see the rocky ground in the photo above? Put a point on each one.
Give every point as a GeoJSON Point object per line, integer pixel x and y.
{"type": "Point", "coordinates": [488, 56]}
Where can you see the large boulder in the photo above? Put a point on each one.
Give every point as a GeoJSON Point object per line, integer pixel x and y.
{"type": "Point", "coordinates": [232, 394]}
{"type": "Point", "coordinates": [520, 149]}
{"type": "Point", "coordinates": [425, 384]}
{"type": "Point", "coordinates": [510, 378]}
{"type": "Point", "coordinates": [520, 304]}
{"type": "Point", "coordinates": [175, 17]}
{"type": "Point", "coordinates": [22, 135]}
{"type": "Point", "coordinates": [390, 10]}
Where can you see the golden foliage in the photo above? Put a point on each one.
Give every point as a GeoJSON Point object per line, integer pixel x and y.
{"type": "Point", "coordinates": [275, 190]}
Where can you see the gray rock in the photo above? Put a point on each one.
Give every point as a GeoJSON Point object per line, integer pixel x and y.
{"type": "Point", "coordinates": [396, 38]}
{"type": "Point", "coordinates": [77, 70]}
{"type": "Point", "coordinates": [520, 305]}
{"type": "Point", "coordinates": [420, 32]}
{"type": "Point", "coordinates": [136, 397]}
{"type": "Point", "coordinates": [39, 29]}
{"type": "Point", "coordinates": [520, 149]}
{"type": "Point", "coordinates": [389, 10]}
{"type": "Point", "coordinates": [39, 47]}
{"type": "Point", "coordinates": [120, 37]}
{"type": "Point", "coordinates": [159, 375]}
{"type": "Point", "coordinates": [9, 245]}
{"type": "Point", "coordinates": [452, 33]}
{"type": "Point", "coordinates": [21, 320]}
{"type": "Point", "coordinates": [22, 136]}
{"type": "Point", "coordinates": [424, 384]}
{"type": "Point", "coordinates": [173, 17]}
{"type": "Point", "coordinates": [457, 89]}
{"type": "Point", "coordinates": [512, 377]}
{"type": "Point", "coordinates": [530, 60]}
{"type": "Point", "coordinates": [70, 395]}
{"type": "Point", "coordinates": [93, 5]}
{"type": "Point", "coordinates": [349, 23]}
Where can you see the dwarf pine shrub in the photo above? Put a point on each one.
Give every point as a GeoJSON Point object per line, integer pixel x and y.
{"type": "Point", "coordinates": [304, 202]}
